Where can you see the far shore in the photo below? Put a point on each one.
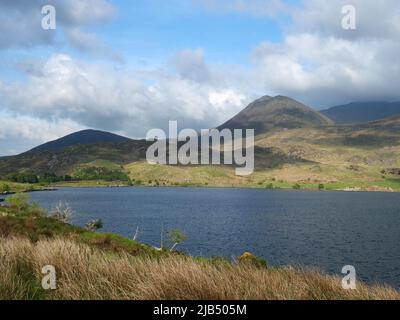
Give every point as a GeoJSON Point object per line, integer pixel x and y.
{"type": "Point", "coordinates": [103, 184]}
{"type": "Point", "coordinates": [22, 188]}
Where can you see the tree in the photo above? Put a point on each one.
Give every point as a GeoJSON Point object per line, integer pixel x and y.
{"type": "Point", "coordinates": [94, 225]}
{"type": "Point", "coordinates": [24, 177]}
{"type": "Point", "coordinates": [177, 237]}
{"type": "Point", "coordinates": [62, 212]}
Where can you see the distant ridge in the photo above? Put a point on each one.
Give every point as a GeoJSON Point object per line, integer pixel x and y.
{"type": "Point", "coordinates": [81, 137]}
{"type": "Point", "coordinates": [362, 112]}
{"type": "Point", "coordinates": [269, 113]}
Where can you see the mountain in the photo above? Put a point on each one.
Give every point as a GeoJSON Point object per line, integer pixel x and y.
{"type": "Point", "coordinates": [362, 112]}
{"type": "Point", "coordinates": [84, 137]}
{"type": "Point", "coordinates": [268, 113]}
{"type": "Point", "coordinates": [294, 145]}
{"type": "Point", "coordinates": [65, 160]}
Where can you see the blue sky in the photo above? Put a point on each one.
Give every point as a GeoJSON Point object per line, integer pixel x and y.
{"type": "Point", "coordinates": [151, 31]}
{"type": "Point", "coordinates": [131, 66]}
{"type": "Point", "coordinates": [153, 34]}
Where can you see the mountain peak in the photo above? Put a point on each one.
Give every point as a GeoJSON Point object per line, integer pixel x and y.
{"type": "Point", "coordinates": [269, 113]}
{"type": "Point", "coordinates": [87, 136]}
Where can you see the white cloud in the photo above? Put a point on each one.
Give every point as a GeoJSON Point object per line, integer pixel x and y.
{"type": "Point", "coordinates": [191, 65]}
{"type": "Point", "coordinates": [20, 133]}
{"type": "Point", "coordinates": [20, 25]}
{"type": "Point", "coordinates": [99, 96]}
{"type": "Point", "coordinates": [317, 62]}
{"type": "Point", "coordinates": [375, 19]}
{"type": "Point", "coordinates": [225, 99]}
{"type": "Point", "coordinates": [322, 64]}
{"type": "Point", "coordinates": [91, 43]}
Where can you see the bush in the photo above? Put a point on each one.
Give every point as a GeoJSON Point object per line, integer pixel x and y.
{"type": "Point", "coordinates": [321, 187]}
{"type": "Point", "coordinates": [20, 201]}
{"type": "Point", "coordinates": [269, 186]}
{"type": "Point", "coordinates": [176, 237]}
{"type": "Point", "coordinates": [62, 212]}
{"type": "Point", "coordinates": [296, 187]}
{"type": "Point", "coordinates": [5, 188]}
{"type": "Point", "coordinates": [94, 225]}
{"type": "Point", "coordinates": [248, 258]}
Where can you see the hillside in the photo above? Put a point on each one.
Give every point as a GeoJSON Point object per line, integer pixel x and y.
{"type": "Point", "coordinates": [294, 146]}
{"type": "Point", "coordinates": [362, 112]}
{"type": "Point", "coordinates": [65, 160]}
{"type": "Point", "coordinates": [270, 113]}
{"type": "Point", "coordinates": [84, 137]}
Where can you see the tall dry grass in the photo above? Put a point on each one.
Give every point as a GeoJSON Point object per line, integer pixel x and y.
{"type": "Point", "coordinates": [87, 273]}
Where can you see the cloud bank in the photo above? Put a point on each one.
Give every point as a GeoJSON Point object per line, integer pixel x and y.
{"type": "Point", "coordinates": [316, 62]}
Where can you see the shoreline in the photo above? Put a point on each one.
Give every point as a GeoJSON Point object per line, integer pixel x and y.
{"type": "Point", "coordinates": [103, 184]}
{"type": "Point", "coordinates": [350, 189]}
{"type": "Point", "coordinates": [249, 270]}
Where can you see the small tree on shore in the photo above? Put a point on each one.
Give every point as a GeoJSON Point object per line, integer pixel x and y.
{"type": "Point", "coordinates": [176, 237]}
{"type": "Point", "coordinates": [94, 225]}
{"type": "Point", "coordinates": [62, 212]}
{"type": "Point", "coordinates": [19, 201]}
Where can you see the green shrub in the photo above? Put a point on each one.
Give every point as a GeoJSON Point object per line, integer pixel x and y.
{"type": "Point", "coordinates": [19, 201]}
{"type": "Point", "coordinates": [176, 237]}
{"type": "Point", "coordinates": [248, 258]}
{"type": "Point", "coordinates": [296, 187]}
{"type": "Point", "coordinates": [269, 186]}
{"type": "Point", "coordinates": [94, 225]}
{"type": "Point", "coordinates": [321, 187]}
{"type": "Point", "coordinates": [5, 188]}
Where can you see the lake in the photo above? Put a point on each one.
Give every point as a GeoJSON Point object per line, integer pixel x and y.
{"type": "Point", "coordinates": [327, 230]}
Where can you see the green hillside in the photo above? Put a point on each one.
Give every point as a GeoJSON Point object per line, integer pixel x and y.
{"type": "Point", "coordinates": [295, 147]}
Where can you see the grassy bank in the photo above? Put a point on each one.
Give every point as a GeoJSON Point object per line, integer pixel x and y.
{"type": "Point", "coordinates": [305, 176]}
{"type": "Point", "coordinates": [92, 265]}
{"type": "Point", "coordinates": [7, 187]}
{"type": "Point", "coordinates": [302, 176]}
{"type": "Point", "coordinates": [87, 273]}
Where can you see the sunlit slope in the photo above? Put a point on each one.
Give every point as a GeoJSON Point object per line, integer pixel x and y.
{"type": "Point", "coordinates": [336, 156]}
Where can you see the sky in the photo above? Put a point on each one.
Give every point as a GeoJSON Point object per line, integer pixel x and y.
{"type": "Point", "coordinates": [131, 66]}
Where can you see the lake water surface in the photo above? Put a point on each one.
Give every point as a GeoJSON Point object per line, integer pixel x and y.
{"type": "Point", "coordinates": [321, 229]}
